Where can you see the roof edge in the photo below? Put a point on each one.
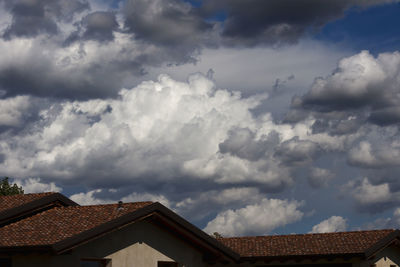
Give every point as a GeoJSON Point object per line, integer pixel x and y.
{"type": "Point", "coordinates": [134, 216]}
{"type": "Point", "coordinates": [382, 244]}
{"type": "Point", "coordinates": [198, 232]}
{"type": "Point", "coordinates": [21, 210]}
{"type": "Point", "coordinates": [301, 257]}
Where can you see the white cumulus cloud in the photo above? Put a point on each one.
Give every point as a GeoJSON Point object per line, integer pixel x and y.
{"type": "Point", "coordinates": [164, 129]}
{"type": "Point", "coordinates": [332, 224]}
{"type": "Point", "coordinates": [259, 218]}
{"type": "Point", "coordinates": [36, 185]}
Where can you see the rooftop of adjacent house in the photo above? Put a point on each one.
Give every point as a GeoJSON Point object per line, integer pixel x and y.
{"type": "Point", "coordinates": [51, 221]}
{"type": "Point", "coordinates": [60, 223]}
{"type": "Point", "coordinates": [10, 202]}
{"type": "Point", "coordinates": [356, 242]}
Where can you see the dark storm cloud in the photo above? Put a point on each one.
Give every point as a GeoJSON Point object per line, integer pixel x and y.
{"type": "Point", "coordinates": [337, 126]}
{"type": "Point", "coordinates": [242, 143]}
{"type": "Point", "coordinates": [33, 17]}
{"type": "Point", "coordinates": [362, 89]}
{"type": "Point", "coordinates": [256, 22]}
{"type": "Point", "coordinates": [99, 26]}
{"type": "Point", "coordinates": [154, 33]}
{"type": "Point", "coordinates": [297, 152]}
{"type": "Point", "coordinates": [165, 22]}
{"type": "Point", "coordinates": [45, 79]}
{"type": "Point", "coordinates": [385, 116]}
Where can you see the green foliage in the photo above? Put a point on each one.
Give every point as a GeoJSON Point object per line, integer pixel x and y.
{"type": "Point", "coordinates": [6, 189]}
{"type": "Point", "coordinates": [216, 235]}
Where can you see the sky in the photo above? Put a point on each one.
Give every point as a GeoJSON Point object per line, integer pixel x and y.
{"type": "Point", "coordinates": [245, 117]}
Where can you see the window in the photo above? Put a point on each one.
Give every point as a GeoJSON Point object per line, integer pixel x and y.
{"type": "Point", "coordinates": [167, 264]}
{"type": "Point", "coordinates": [5, 262]}
{"type": "Point", "coordinates": [95, 262]}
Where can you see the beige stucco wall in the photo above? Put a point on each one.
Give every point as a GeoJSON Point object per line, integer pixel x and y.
{"type": "Point", "coordinates": [139, 245]}
{"type": "Point", "coordinates": [385, 258]}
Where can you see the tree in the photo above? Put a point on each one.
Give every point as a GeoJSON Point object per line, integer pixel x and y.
{"type": "Point", "coordinates": [6, 189]}
{"type": "Point", "coordinates": [217, 235]}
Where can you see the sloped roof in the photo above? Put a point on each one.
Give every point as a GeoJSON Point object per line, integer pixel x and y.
{"type": "Point", "coordinates": [62, 228]}
{"type": "Point", "coordinates": [57, 224]}
{"type": "Point", "coordinates": [15, 207]}
{"type": "Point", "coordinates": [10, 202]}
{"type": "Point", "coordinates": [339, 243]}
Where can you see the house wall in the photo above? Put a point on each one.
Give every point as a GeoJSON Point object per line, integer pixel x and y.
{"type": "Point", "coordinates": [385, 258]}
{"type": "Point", "coordinates": [304, 263]}
{"type": "Point", "coordinates": [139, 245]}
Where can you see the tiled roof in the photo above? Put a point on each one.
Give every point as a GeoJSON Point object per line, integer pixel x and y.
{"type": "Point", "coordinates": [9, 202]}
{"type": "Point", "coordinates": [305, 244]}
{"type": "Point", "coordinates": [60, 223]}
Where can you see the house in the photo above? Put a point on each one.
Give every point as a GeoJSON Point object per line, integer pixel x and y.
{"type": "Point", "coordinates": [48, 229]}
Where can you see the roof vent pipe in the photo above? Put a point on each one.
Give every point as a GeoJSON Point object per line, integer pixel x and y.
{"type": "Point", "coordinates": [120, 206]}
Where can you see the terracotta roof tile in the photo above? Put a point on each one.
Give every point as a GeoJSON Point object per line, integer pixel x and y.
{"type": "Point", "coordinates": [10, 202]}
{"type": "Point", "coordinates": [60, 223]}
{"type": "Point", "coordinates": [305, 244]}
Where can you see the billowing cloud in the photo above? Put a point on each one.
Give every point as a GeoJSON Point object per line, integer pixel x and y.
{"type": "Point", "coordinates": [126, 138]}
{"type": "Point", "coordinates": [375, 155]}
{"type": "Point", "coordinates": [71, 47]}
{"type": "Point", "coordinates": [363, 87]}
{"type": "Point", "coordinates": [332, 224]}
{"type": "Point", "coordinates": [392, 222]}
{"type": "Point", "coordinates": [372, 198]}
{"type": "Point", "coordinates": [12, 110]}
{"type": "Point", "coordinates": [43, 68]}
{"type": "Point", "coordinates": [242, 143]}
{"type": "Point", "coordinates": [187, 144]}
{"type": "Point", "coordinates": [98, 26]}
{"type": "Point", "coordinates": [208, 203]}
{"type": "Point", "coordinates": [33, 17]}
{"type": "Point", "coordinates": [96, 196]}
{"type": "Point", "coordinates": [184, 141]}
{"type": "Point", "coordinates": [88, 198]}
{"type": "Point", "coordinates": [165, 22]}
{"type": "Point", "coordinates": [36, 185]}
{"type": "Point", "coordinates": [260, 218]}
{"type": "Point", "coordinates": [297, 151]}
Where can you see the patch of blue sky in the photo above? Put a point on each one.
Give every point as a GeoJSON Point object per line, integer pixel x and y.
{"type": "Point", "coordinates": [376, 29]}
{"type": "Point", "coordinates": [195, 3]}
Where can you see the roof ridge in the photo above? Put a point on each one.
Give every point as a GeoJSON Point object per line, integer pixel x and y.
{"type": "Point", "coordinates": [41, 193]}
{"type": "Point", "coordinates": [72, 207]}
{"type": "Point", "coordinates": [309, 234]}
{"type": "Point", "coordinates": [115, 203]}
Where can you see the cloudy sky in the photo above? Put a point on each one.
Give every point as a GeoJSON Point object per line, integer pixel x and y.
{"type": "Point", "coordinates": [245, 117]}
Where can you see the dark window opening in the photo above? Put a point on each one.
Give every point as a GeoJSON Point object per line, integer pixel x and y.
{"type": "Point", "coordinates": [5, 262]}
{"type": "Point", "coordinates": [95, 262]}
{"type": "Point", "coordinates": [167, 264]}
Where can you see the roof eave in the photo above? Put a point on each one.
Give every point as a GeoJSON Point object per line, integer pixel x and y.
{"type": "Point", "coordinates": [22, 210]}
{"type": "Point", "coordinates": [381, 244]}
{"type": "Point", "coordinates": [298, 258]}
{"type": "Point", "coordinates": [24, 249]}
